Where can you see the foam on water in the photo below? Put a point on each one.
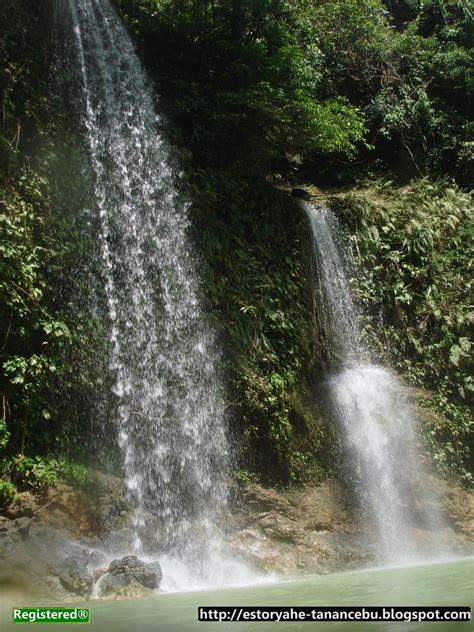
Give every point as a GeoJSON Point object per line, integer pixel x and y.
{"type": "Point", "coordinates": [222, 573]}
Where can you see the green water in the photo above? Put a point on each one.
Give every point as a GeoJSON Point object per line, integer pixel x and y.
{"type": "Point", "coordinates": [443, 584]}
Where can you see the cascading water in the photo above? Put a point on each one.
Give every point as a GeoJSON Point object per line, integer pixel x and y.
{"type": "Point", "coordinates": [372, 407]}
{"type": "Point", "coordinates": [167, 395]}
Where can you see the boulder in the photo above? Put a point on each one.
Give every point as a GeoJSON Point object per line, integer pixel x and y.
{"type": "Point", "coordinates": [75, 577]}
{"type": "Point", "coordinates": [113, 587]}
{"type": "Point", "coordinates": [130, 577]}
{"type": "Point", "coordinates": [51, 588]}
{"type": "Point", "coordinates": [155, 567]}
{"type": "Point", "coordinates": [148, 575]}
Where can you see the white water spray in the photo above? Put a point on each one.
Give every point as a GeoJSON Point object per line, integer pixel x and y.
{"type": "Point", "coordinates": [372, 407]}
{"type": "Point", "coordinates": [166, 388]}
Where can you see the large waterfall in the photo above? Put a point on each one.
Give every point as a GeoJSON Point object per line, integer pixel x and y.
{"type": "Point", "coordinates": [165, 385]}
{"type": "Point", "coordinates": [372, 407]}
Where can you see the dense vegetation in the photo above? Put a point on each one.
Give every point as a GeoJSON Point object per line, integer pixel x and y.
{"type": "Point", "coordinates": [261, 96]}
{"type": "Point", "coordinates": [265, 96]}
{"type": "Point", "coordinates": [413, 244]}
{"type": "Point", "coordinates": [39, 334]}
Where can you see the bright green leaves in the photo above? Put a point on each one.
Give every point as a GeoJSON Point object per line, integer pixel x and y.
{"type": "Point", "coordinates": [415, 247]}
{"type": "Point", "coordinates": [4, 434]}
{"type": "Point", "coordinates": [246, 82]}
{"type": "Point", "coordinates": [32, 335]}
{"type": "Point", "coordinates": [7, 493]}
{"type": "Point", "coordinates": [37, 474]}
{"type": "Point", "coordinates": [337, 127]}
{"type": "Point", "coordinates": [460, 352]}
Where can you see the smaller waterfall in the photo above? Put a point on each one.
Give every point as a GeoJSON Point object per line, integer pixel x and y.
{"type": "Point", "coordinates": [372, 407]}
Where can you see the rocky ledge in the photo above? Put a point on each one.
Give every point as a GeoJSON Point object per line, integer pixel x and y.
{"type": "Point", "coordinates": [52, 544]}
{"type": "Point", "coordinates": [316, 529]}
{"type": "Point", "coordinates": [68, 545]}
{"type": "Point", "coordinates": [44, 562]}
{"type": "Point", "coordinates": [308, 530]}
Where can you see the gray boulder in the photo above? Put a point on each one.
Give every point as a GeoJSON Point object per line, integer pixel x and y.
{"type": "Point", "coordinates": [75, 577]}
{"type": "Point", "coordinates": [132, 568]}
{"type": "Point", "coordinates": [155, 567]}
{"type": "Point", "coordinates": [130, 577]}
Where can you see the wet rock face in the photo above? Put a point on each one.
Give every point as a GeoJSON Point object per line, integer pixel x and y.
{"type": "Point", "coordinates": [75, 577]}
{"type": "Point", "coordinates": [299, 531]}
{"type": "Point", "coordinates": [315, 530]}
{"type": "Point", "coordinates": [43, 561]}
{"type": "Point", "coordinates": [111, 507]}
{"type": "Point", "coordinates": [53, 546]}
{"type": "Point", "coordinates": [137, 570]}
{"type": "Point", "coordinates": [308, 530]}
{"type": "Point", "coordinates": [130, 577]}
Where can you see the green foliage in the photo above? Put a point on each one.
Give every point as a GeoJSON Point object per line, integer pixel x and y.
{"type": "Point", "coordinates": [254, 243]}
{"type": "Point", "coordinates": [20, 79]}
{"type": "Point", "coordinates": [4, 434]}
{"type": "Point", "coordinates": [449, 432]}
{"type": "Point", "coordinates": [242, 79]}
{"type": "Point", "coordinates": [355, 42]}
{"type": "Point", "coordinates": [414, 245]}
{"type": "Point", "coordinates": [38, 473]}
{"type": "Point", "coordinates": [413, 83]}
{"type": "Point", "coordinates": [423, 105]}
{"type": "Point", "coordinates": [7, 493]}
{"type": "Point", "coordinates": [244, 477]}
{"type": "Point", "coordinates": [36, 335]}
{"type": "Point", "coordinates": [259, 92]}
{"type": "Point", "coordinates": [34, 473]}
{"type": "Point", "coordinates": [32, 336]}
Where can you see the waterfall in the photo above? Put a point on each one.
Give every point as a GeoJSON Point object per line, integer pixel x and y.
{"type": "Point", "coordinates": [165, 384]}
{"type": "Point", "coordinates": [372, 408]}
